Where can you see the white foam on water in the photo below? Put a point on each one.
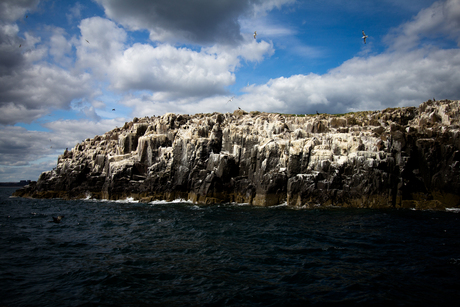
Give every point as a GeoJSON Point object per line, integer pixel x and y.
{"type": "Point", "coordinates": [127, 200]}
{"type": "Point", "coordinates": [280, 205]}
{"type": "Point", "coordinates": [165, 202]}
{"type": "Point", "coordinates": [454, 210]}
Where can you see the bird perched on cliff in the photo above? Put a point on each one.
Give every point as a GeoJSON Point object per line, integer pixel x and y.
{"type": "Point", "coordinates": [317, 113]}
{"type": "Point", "coordinates": [255, 34]}
{"type": "Point", "coordinates": [231, 99]}
{"type": "Point", "coordinates": [364, 36]}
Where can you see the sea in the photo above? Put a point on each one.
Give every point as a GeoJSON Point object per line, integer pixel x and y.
{"type": "Point", "coordinates": [125, 253]}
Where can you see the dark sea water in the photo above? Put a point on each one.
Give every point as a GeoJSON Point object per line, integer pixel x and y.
{"type": "Point", "coordinates": [180, 254]}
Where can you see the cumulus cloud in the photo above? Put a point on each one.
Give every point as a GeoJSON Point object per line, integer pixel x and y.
{"type": "Point", "coordinates": [11, 10]}
{"type": "Point", "coordinates": [60, 47]}
{"type": "Point", "coordinates": [268, 5]}
{"type": "Point", "coordinates": [102, 41]}
{"type": "Point", "coordinates": [71, 132]}
{"type": "Point", "coordinates": [378, 82]}
{"type": "Point", "coordinates": [440, 19]}
{"type": "Point", "coordinates": [74, 12]}
{"type": "Point", "coordinates": [28, 93]}
{"type": "Point", "coordinates": [198, 22]}
{"type": "Point", "coordinates": [180, 71]}
{"type": "Point", "coordinates": [29, 85]}
{"type": "Point", "coordinates": [168, 71]}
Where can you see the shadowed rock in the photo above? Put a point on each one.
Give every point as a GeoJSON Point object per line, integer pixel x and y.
{"type": "Point", "coordinates": [57, 219]}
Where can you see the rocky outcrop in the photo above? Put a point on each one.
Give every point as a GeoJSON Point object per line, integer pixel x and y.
{"type": "Point", "coordinates": [400, 158]}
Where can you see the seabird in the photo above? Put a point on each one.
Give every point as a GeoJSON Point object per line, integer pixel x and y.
{"type": "Point", "coordinates": [364, 36]}
{"type": "Point", "coordinates": [57, 219]}
{"type": "Point", "coordinates": [19, 46]}
{"type": "Point", "coordinates": [317, 113]}
{"type": "Point", "coordinates": [113, 109]}
{"type": "Point", "coordinates": [86, 41]}
{"type": "Point", "coordinates": [255, 34]}
{"type": "Point", "coordinates": [231, 99]}
{"type": "Point", "coordinates": [27, 16]}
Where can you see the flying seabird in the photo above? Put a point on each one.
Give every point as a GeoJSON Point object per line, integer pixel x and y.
{"type": "Point", "coordinates": [113, 109]}
{"type": "Point", "coordinates": [86, 41]}
{"type": "Point", "coordinates": [255, 34]}
{"type": "Point", "coordinates": [364, 36]}
{"type": "Point", "coordinates": [231, 99]}
{"type": "Point", "coordinates": [57, 219]}
{"type": "Point", "coordinates": [19, 45]}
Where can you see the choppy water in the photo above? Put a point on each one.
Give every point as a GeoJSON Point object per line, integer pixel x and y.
{"type": "Point", "coordinates": [130, 254]}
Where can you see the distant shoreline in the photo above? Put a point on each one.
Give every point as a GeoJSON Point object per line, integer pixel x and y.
{"type": "Point", "coordinates": [11, 186]}
{"type": "Point", "coordinates": [19, 184]}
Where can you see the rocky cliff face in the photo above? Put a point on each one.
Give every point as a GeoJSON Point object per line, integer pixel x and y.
{"type": "Point", "coordinates": [402, 157]}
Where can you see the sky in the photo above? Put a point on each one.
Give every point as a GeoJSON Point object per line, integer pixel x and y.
{"type": "Point", "coordinates": [71, 70]}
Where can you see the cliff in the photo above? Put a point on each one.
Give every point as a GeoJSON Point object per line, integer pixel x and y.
{"type": "Point", "coordinates": [400, 158]}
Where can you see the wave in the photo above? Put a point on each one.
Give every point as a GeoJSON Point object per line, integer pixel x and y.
{"type": "Point", "coordinates": [165, 202]}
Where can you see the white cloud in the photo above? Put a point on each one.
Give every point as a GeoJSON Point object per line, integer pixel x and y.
{"type": "Point", "coordinates": [251, 50]}
{"type": "Point", "coordinates": [34, 89]}
{"type": "Point", "coordinates": [386, 80]}
{"type": "Point", "coordinates": [29, 85]}
{"type": "Point", "coordinates": [268, 5]}
{"type": "Point", "coordinates": [172, 72]}
{"type": "Point", "coordinates": [75, 12]}
{"type": "Point", "coordinates": [11, 10]}
{"type": "Point", "coordinates": [101, 42]}
{"type": "Point", "coordinates": [71, 132]}
{"type": "Point", "coordinates": [156, 104]}
{"type": "Point", "coordinates": [442, 19]}
{"type": "Point", "coordinates": [60, 47]}
{"type": "Point", "coordinates": [169, 69]}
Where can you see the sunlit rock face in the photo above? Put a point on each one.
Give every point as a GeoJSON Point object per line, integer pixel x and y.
{"type": "Point", "coordinates": [395, 158]}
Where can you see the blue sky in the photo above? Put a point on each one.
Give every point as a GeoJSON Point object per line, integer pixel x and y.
{"type": "Point", "coordinates": [66, 65]}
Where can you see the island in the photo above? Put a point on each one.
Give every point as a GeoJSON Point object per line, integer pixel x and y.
{"type": "Point", "coordinates": [407, 157]}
